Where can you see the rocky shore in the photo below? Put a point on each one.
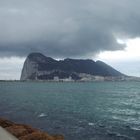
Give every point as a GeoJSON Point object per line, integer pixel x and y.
{"type": "Point", "coordinates": [26, 132]}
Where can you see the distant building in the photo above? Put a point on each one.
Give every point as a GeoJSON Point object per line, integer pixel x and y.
{"type": "Point", "coordinates": [56, 78]}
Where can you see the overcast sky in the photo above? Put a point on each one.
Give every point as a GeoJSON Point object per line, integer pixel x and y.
{"type": "Point", "coordinates": [69, 28]}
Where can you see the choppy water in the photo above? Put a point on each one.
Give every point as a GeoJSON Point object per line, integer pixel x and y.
{"type": "Point", "coordinates": [80, 111]}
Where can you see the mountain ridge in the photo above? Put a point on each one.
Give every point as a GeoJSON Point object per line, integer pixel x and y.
{"type": "Point", "coordinates": [40, 67]}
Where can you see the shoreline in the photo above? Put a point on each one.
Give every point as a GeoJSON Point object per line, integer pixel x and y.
{"type": "Point", "coordinates": [95, 79]}
{"type": "Point", "coordinates": [26, 132]}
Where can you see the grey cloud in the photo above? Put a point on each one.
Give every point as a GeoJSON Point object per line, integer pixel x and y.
{"type": "Point", "coordinates": [66, 28]}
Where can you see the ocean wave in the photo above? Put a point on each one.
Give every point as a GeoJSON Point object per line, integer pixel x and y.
{"type": "Point", "coordinates": [135, 128]}
{"type": "Point", "coordinates": [91, 124]}
{"type": "Point", "coordinates": [120, 136]}
{"type": "Point", "coordinates": [42, 115]}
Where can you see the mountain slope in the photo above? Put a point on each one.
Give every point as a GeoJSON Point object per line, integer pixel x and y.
{"type": "Point", "coordinates": [37, 66]}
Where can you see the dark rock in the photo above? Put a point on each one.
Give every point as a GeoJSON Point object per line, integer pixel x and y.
{"type": "Point", "coordinates": [39, 67]}
{"type": "Point", "coordinates": [25, 132]}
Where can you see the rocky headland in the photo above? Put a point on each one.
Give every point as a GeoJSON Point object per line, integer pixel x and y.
{"type": "Point", "coordinates": [26, 132]}
{"type": "Point", "coordinates": [40, 67]}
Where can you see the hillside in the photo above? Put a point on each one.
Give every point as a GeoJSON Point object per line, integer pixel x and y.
{"type": "Point", "coordinates": [39, 67]}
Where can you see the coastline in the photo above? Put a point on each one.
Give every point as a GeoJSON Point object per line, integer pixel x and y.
{"type": "Point", "coordinates": [85, 79]}
{"type": "Point", "coordinates": [26, 132]}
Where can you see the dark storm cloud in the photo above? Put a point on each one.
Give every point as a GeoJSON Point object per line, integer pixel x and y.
{"type": "Point", "coordinates": [66, 28]}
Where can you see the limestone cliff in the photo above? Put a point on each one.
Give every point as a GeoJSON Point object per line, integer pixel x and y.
{"type": "Point", "coordinates": [39, 67]}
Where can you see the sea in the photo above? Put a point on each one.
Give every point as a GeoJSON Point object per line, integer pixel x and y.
{"type": "Point", "coordinates": [78, 110]}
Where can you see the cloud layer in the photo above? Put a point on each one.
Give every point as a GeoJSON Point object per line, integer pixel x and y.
{"type": "Point", "coordinates": [66, 28]}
